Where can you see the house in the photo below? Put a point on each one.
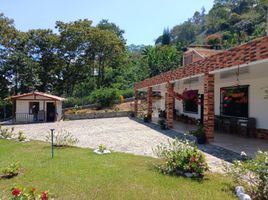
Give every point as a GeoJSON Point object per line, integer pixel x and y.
{"type": "Point", "coordinates": [228, 84]}
{"type": "Point", "coordinates": [198, 52]}
{"type": "Point", "coordinates": [36, 107]}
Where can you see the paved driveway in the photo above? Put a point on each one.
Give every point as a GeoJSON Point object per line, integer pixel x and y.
{"type": "Point", "coordinates": [118, 134]}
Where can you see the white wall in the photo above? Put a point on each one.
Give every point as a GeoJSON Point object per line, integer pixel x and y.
{"type": "Point", "coordinates": [257, 79]}
{"type": "Point", "coordinates": [22, 108]}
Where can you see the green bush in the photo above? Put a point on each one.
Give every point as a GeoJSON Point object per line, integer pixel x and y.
{"type": "Point", "coordinates": [5, 109]}
{"type": "Point", "coordinates": [181, 157]}
{"type": "Point", "coordinates": [253, 174]}
{"type": "Point", "coordinates": [11, 171]}
{"type": "Point", "coordinates": [128, 93]}
{"type": "Point", "coordinates": [105, 97]}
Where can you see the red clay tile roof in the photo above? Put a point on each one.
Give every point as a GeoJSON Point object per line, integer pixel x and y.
{"type": "Point", "coordinates": [255, 50]}
{"type": "Point", "coordinates": [57, 98]}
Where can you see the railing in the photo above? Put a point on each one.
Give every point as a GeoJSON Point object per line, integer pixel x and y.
{"type": "Point", "coordinates": [29, 118]}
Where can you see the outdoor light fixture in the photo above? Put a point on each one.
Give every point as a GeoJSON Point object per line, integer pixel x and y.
{"type": "Point", "coordinates": [52, 145]}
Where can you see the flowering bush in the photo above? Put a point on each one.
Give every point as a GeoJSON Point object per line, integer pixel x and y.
{"type": "Point", "coordinates": [181, 157]}
{"type": "Point", "coordinates": [22, 194]}
{"type": "Point", "coordinates": [62, 138]}
{"type": "Point", "coordinates": [253, 174]}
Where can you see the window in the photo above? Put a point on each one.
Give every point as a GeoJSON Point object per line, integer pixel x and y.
{"type": "Point", "coordinates": [234, 101]}
{"type": "Point", "coordinates": [191, 105]}
{"type": "Point", "coordinates": [33, 107]}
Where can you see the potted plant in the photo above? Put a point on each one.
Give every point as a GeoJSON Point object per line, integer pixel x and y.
{"type": "Point", "coordinates": [163, 124]}
{"type": "Point", "coordinates": [200, 134]}
{"type": "Point", "coordinates": [147, 118]}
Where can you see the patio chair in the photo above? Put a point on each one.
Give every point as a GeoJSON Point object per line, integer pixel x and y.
{"type": "Point", "coordinates": [247, 127]}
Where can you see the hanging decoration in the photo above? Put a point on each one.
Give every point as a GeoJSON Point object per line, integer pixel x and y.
{"type": "Point", "coordinates": [189, 95]}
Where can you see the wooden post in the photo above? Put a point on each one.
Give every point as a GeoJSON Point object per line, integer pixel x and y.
{"type": "Point", "coordinates": [136, 103]}
{"type": "Point", "coordinates": [149, 102]}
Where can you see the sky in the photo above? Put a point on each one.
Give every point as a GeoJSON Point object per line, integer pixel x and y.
{"type": "Point", "coordinates": [142, 20]}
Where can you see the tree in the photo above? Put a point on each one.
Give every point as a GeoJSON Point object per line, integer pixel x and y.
{"type": "Point", "coordinates": [104, 24]}
{"type": "Point", "coordinates": [43, 48]}
{"type": "Point", "coordinates": [265, 4]}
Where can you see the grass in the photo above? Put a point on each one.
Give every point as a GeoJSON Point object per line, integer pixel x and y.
{"type": "Point", "coordinates": [77, 173]}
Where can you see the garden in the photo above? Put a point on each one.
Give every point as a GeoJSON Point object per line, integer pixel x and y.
{"type": "Point", "coordinates": [27, 171]}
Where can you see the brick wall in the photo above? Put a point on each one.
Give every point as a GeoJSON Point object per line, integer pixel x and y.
{"type": "Point", "coordinates": [209, 106]}
{"type": "Point", "coordinates": [170, 104]}
{"type": "Point", "coordinates": [150, 101]}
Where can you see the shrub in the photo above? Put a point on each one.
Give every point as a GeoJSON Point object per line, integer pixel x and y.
{"type": "Point", "coordinates": [11, 171]}
{"type": "Point", "coordinates": [181, 157]}
{"type": "Point", "coordinates": [21, 136]}
{"type": "Point", "coordinates": [62, 138]}
{"type": "Point", "coordinates": [253, 174]}
{"type": "Point", "coordinates": [104, 97]}
{"type": "Point", "coordinates": [6, 133]}
{"type": "Point", "coordinates": [128, 93]}
{"type": "Point", "coordinates": [102, 148]}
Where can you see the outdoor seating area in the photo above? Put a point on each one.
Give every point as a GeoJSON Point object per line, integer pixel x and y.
{"type": "Point", "coordinates": [236, 125]}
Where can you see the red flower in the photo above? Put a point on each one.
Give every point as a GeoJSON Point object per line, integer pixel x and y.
{"type": "Point", "coordinates": [193, 159]}
{"type": "Point", "coordinates": [16, 192]}
{"type": "Point", "coordinates": [33, 190]}
{"type": "Point", "coordinates": [44, 195]}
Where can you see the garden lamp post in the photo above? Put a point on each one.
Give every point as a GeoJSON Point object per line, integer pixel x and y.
{"type": "Point", "coordinates": [52, 145]}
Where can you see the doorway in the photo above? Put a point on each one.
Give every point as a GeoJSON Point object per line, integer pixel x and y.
{"type": "Point", "coordinates": [51, 112]}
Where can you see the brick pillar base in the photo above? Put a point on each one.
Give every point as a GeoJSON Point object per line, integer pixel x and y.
{"type": "Point", "coordinates": [149, 102]}
{"type": "Point", "coordinates": [136, 103]}
{"type": "Point", "coordinates": [209, 106]}
{"type": "Point", "coordinates": [170, 104]}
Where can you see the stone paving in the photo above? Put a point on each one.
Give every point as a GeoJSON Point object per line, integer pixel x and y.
{"type": "Point", "coordinates": [124, 135]}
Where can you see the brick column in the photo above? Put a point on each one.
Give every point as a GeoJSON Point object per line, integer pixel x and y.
{"type": "Point", "coordinates": [149, 101]}
{"type": "Point", "coordinates": [170, 104]}
{"type": "Point", "coordinates": [209, 106]}
{"type": "Point", "coordinates": [136, 103]}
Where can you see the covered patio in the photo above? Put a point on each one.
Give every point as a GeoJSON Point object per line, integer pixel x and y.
{"type": "Point", "coordinates": [229, 96]}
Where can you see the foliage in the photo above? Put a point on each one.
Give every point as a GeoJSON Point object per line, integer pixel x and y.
{"type": "Point", "coordinates": [31, 194]}
{"type": "Point", "coordinates": [5, 109]}
{"type": "Point", "coordinates": [6, 133]}
{"type": "Point", "coordinates": [253, 174]}
{"type": "Point", "coordinates": [199, 133]}
{"type": "Point", "coordinates": [181, 157]}
{"type": "Point", "coordinates": [62, 138]}
{"type": "Point", "coordinates": [104, 97]}
{"type": "Point", "coordinates": [161, 59]}
{"type": "Point", "coordinates": [102, 148]}
{"type": "Point", "coordinates": [11, 171]}
{"type": "Point", "coordinates": [21, 136]}
{"type": "Point", "coordinates": [128, 93]}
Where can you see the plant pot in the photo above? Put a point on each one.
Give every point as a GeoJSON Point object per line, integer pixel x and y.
{"type": "Point", "coordinates": [201, 139]}
{"type": "Point", "coordinates": [163, 126]}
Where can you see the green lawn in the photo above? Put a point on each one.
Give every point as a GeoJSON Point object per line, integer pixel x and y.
{"type": "Point", "coordinates": [80, 174]}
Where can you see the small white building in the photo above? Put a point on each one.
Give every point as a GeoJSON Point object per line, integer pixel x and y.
{"type": "Point", "coordinates": [36, 107]}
